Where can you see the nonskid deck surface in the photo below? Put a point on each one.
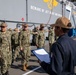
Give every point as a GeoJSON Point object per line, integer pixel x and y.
{"type": "Point", "coordinates": [34, 67]}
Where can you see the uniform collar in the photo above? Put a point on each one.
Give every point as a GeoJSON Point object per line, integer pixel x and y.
{"type": "Point", "coordinates": [66, 35]}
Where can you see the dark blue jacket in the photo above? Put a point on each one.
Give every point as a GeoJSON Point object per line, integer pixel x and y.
{"type": "Point", "coordinates": [63, 57]}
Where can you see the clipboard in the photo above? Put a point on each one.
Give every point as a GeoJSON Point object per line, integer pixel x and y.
{"type": "Point", "coordinates": [41, 54]}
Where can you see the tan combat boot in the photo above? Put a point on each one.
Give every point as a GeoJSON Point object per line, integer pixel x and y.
{"type": "Point", "coordinates": [26, 65]}
{"type": "Point", "coordinates": [24, 68]}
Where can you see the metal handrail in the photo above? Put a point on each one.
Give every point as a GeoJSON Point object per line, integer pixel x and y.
{"type": "Point", "coordinates": [21, 22]}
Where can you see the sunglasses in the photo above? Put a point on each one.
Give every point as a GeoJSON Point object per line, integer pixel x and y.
{"type": "Point", "coordinates": [56, 27]}
{"type": "Point", "coordinates": [3, 26]}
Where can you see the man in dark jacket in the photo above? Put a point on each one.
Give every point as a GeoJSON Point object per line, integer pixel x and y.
{"type": "Point", "coordinates": [63, 51]}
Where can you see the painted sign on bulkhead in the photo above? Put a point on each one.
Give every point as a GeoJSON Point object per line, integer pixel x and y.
{"type": "Point", "coordinates": [51, 3]}
{"type": "Point", "coordinates": [39, 11]}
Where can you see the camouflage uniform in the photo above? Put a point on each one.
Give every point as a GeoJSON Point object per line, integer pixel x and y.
{"type": "Point", "coordinates": [15, 43]}
{"type": "Point", "coordinates": [40, 40]}
{"type": "Point", "coordinates": [51, 37]}
{"type": "Point", "coordinates": [34, 36]}
{"type": "Point", "coordinates": [5, 49]}
{"type": "Point", "coordinates": [25, 44]}
{"type": "Point", "coordinates": [9, 29]}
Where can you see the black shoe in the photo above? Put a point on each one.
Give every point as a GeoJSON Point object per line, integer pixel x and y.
{"type": "Point", "coordinates": [4, 74]}
{"type": "Point", "coordinates": [12, 61]}
{"type": "Point", "coordinates": [7, 73]}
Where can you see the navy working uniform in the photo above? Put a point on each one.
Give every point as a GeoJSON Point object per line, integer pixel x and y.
{"type": "Point", "coordinates": [63, 49]}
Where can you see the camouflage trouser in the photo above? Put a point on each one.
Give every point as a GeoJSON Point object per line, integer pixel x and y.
{"type": "Point", "coordinates": [6, 60]}
{"type": "Point", "coordinates": [34, 39]}
{"type": "Point", "coordinates": [41, 45]}
{"type": "Point", "coordinates": [50, 45]}
{"type": "Point", "coordinates": [26, 53]}
{"type": "Point", "coordinates": [16, 52]}
{"type": "Point", "coordinates": [14, 48]}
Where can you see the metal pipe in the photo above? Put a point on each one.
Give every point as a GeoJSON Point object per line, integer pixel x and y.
{"type": "Point", "coordinates": [26, 10]}
{"type": "Point", "coordinates": [62, 8]}
{"type": "Point", "coordinates": [21, 22]}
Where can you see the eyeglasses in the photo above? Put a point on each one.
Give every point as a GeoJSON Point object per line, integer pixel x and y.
{"type": "Point", "coordinates": [25, 26]}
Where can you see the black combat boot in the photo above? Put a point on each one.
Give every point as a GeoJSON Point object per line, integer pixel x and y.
{"type": "Point", "coordinates": [12, 61]}
{"type": "Point", "coordinates": [7, 73]}
{"type": "Point", "coordinates": [4, 74]}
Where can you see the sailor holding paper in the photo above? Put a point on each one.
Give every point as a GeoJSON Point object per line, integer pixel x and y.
{"type": "Point", "coordinates": [63, 51]}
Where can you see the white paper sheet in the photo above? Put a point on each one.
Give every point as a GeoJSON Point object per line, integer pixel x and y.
{"type": "Point", "coordinates": [42, 55]}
